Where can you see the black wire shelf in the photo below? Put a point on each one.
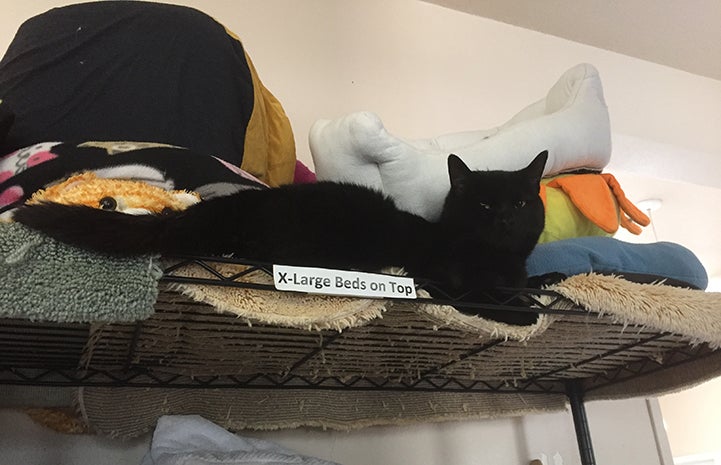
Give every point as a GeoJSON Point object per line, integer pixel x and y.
{"type": "Point", "coordinates": [169, 349]}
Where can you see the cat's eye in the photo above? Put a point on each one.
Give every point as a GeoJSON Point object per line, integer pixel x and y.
{"type": "Point", "coordinates": [108, 203]}
{"type": "Point", "coordinates": [520, 204]}
{"type": "Point", "coordinates": [485, 206]}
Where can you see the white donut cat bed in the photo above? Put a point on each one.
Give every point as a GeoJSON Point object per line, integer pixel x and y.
{"type": "Point", "coordinates": [571, 122]}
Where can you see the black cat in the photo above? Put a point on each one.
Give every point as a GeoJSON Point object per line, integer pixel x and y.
{"type": "Point", "coordinates": [491, 221]}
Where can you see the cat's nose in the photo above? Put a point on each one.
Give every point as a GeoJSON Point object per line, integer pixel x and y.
{"type": "Point", "coordinates": [507, 221]}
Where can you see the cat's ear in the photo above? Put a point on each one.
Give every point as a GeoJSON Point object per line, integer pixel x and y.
{"type": "Point", "coordinates": [535, 168]}
{"type": "Point", "coordinates": [458, 172]}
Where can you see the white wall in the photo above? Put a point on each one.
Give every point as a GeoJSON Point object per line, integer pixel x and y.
{"type": "Point", "coordinates": [621, 431]}
{"type": "Point", "coordinates": [448, 71]}
{"type": "Point", "coordinates": [693, 419]}
{"type": "Point", "coordinates": [427, 71]}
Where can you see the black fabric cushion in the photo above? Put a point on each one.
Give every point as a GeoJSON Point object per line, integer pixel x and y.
{"type": "Point", "coordinates": [125, 70]}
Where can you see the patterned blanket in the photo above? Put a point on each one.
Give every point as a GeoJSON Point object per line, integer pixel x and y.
{"type": "Point", "coordinates": [24, 171]}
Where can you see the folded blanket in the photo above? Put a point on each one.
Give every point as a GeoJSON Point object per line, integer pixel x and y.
{"type": "Point", "coordinates": [43, 279]}
{"type": "Point", "coordinates": [186, 439]}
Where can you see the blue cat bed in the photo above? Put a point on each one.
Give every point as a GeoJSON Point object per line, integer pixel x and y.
{"type": "Point", "coordinates": [649, 262]}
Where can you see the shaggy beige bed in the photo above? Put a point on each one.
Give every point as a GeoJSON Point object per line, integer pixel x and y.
{"type": "Point", "coordinates": [670, 334]}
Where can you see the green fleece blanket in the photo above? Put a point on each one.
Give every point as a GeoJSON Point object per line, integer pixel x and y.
{"type": "Point", "coordinates": [42, 279]}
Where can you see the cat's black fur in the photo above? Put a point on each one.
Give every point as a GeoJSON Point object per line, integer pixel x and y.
{"type": "Point", "coordinates": [490, 222]}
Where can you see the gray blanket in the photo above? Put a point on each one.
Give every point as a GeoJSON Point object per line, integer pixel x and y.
{"type": "Point", "coordinates": [42, 279]}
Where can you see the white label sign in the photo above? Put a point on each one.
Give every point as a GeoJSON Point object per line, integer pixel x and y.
{"type": "Point", "coordinates": [340, 282]}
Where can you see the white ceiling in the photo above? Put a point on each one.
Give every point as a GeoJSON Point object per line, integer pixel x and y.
{"type": "Point", "coordinates": [682, 34]}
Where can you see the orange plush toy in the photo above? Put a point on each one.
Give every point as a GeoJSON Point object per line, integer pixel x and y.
{"type": "Point", "coordinates": [587, 204]}
{"type": "Point", "coordinates": [123, 195]}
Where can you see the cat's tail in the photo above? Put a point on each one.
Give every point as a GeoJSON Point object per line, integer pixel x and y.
{"type": "Point", "coordinates": [90, 228]}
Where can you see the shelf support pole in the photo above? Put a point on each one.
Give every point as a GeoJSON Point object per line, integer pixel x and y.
{"type": "Point", "coordinates": [574, 392]}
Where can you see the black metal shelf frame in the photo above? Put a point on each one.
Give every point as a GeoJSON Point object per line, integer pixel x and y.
{"type": "Point", "coordinates": [48, 354]}
{"type": "Point", "coordinates": [67, 373]}
{"type": "Point", "coordinates": [501, 301]}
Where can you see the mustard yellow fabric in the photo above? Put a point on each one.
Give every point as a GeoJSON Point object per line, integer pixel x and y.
{"type": "Point", "coordinates": [269, 151]}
